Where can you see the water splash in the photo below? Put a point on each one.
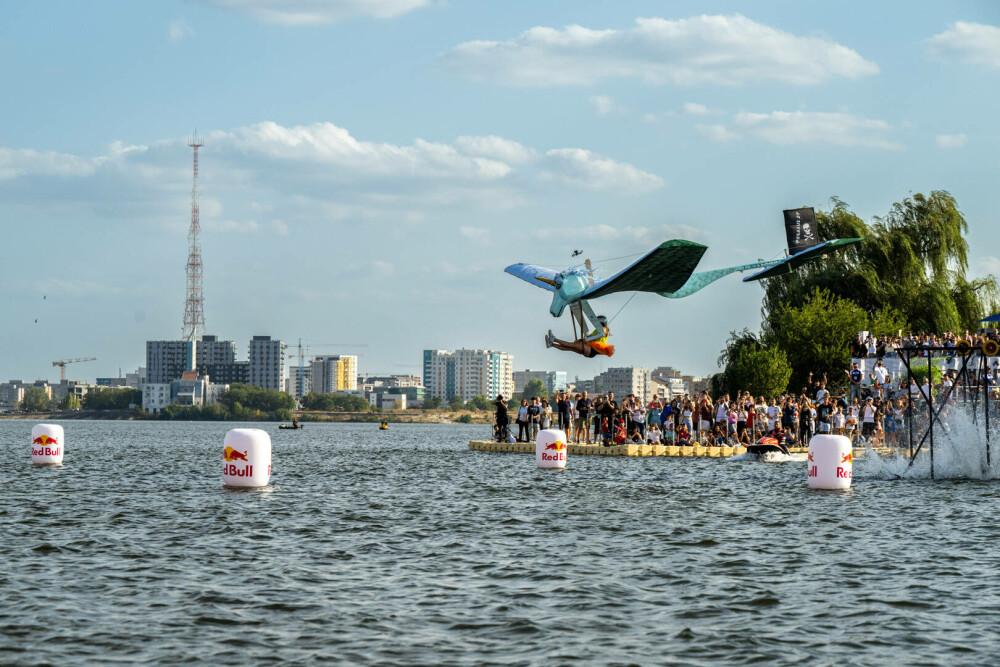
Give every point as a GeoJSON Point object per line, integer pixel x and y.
{"type": "Point", "coordinates": [959, 453]}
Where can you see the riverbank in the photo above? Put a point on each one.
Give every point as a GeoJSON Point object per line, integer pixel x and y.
{"type": "Point", "coordinates": [304, 416]}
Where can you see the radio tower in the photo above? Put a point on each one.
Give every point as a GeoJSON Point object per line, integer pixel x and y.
{"type": "Point", "coordinates": [194, 313]}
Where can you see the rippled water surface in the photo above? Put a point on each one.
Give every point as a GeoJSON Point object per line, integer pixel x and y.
{"type": "Point", "coordinates": [404, 547]}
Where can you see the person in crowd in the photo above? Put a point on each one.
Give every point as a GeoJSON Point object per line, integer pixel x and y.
{"type": "Point", "coordinates": [868, 416]}
{"type": "Point", "coordinates": [744, 419]}
{"type": "Point", "coordinates": [639, 418]}
{"type": "Point", "coordinates": [683, 436]}
{"type": "Point", "coordinates": [653, 412]}
{"type": "Point", "coordinates": [653, 434]}
{"type": "Point", "coordinates": [705, 414]}
{"type": "Point", "coordinates": [534, 410]}
{"type": "Point", "coordinates": [853, 419]}
{"type": "Point", "coordinates": [823, 415]}
{"type": "Point", "coordinates": [773, 415]}
{"type": "Point", "coordinates": [523, 431]}
{"type": "Point", "coordinates": [582, 424]}
{"type": "Point", "coordinates": [687, 416]}
{"type": "Point", "coordinates": [564, 411]}
{"type": "Point", "coordinates": [839, 420]}
{"type": "Point", "coordinates": [855, 375]}
{"type": "Point", "coordinates": [545, 417]}
{"type": "Point", "coordinates": [502, 420]}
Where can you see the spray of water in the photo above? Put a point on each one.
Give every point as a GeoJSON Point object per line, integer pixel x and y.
{"type": "Point", "coordinates": [959, 452]}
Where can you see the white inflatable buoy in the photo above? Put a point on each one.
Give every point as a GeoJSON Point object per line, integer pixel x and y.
{"type": "Point", "coordinates": [550, 449]}
{"type": "Point", "coordinates": [831, 462]}
{"type": "Point", "coordinates": [246, 457]}
{"type": "Point", "coordinates": [47, 444]}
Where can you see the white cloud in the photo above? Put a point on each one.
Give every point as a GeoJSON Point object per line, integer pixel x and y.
{"type": "Point", "coordinates": [605, 105]}
{"type": "Point", "coordinates": [695, 109]}
{"type": "Point", "coordinates": [815, 127]}
{"type": "Point", "coordinates": [717, 132]}
{"type": "Point", "coordinates": [317, 12]}
{"type": "Point", "coordinates": [605, 233]}
{"type": "Point", "coordinates": [584, 170]}
{"type": "Point", "coordinates": [178, 30]}
{"type": "Point", "coordinates": [950, 140]}
{"type": "Point", "coordinates": [989, 265]}
{"type": "Point", "coordinates": [723, 50]}
{"type": "Point", "coordinates": [301, 175]}
{"type": "Point", "coordinates": [973, 43]}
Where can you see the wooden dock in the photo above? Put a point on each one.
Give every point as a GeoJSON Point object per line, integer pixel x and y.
{"type": "Point", "coordinates": [641, 450]}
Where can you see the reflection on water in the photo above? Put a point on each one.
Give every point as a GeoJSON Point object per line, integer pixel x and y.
{"type": "Point", "coordinates": [402, 546]}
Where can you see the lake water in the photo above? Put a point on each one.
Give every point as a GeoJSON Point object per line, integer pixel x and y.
{"type": "Point", "coordinates": [404, 547]}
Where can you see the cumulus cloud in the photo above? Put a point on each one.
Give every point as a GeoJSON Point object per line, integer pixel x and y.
{"type": "Point", "coordinates": [722, 50]}
{"type": "Point", "coordinates": [584, 170]}
{"type": "Point", "coordinates": [786, 128]}
{"type": "Point", "coordinates": [695, 109]}
{"type": "Point", "coordinates": [602, 233]}
{"type": "Point", "coordinates": [307, 174]}
{"type": "Point", "coordinates": [475, 235]}
{"type": "Point", "coordinates": [972, 43]}
{"type": "Point", "coordinates": [178, 30]}
{"type": "Point", "coordinates": [717, 132]}
{"type": "Point", "coordinates": [605, 105]}
{"type": "Point", "coordinates": [317, 12]}
{"type": "Point", "coordinates": [950, 140]}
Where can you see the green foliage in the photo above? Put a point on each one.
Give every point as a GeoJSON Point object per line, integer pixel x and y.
{"type": "Point", "coordinates": [256, 398]}
{"type": "Point", "coordinates": [456, 403]}
{"type": "Point", "coordinates": [535, 388]}
{"type": "Point", "coordinates": [480, 402]}
{"type": "Point", "coordinates": [335, 403]}
{"type": "Point", "coordinates": [919, 372]}
{"type": "Point", "coordinates": [751, 366]}
{"type": "Point", "coordinates": [912, 261]}
{"type": "Point", "coordinates": [816, 336]}
{"type": "Point", "coordinates": [35, 400]}
{"type": "Point", "coordinates": [112, 399]}
{"type": "Point", "coordinates": [69, 402]}
{"type": "Point", "coordinates": [434, 403]}
{"type": "Point", "coordinates": [465, 419]}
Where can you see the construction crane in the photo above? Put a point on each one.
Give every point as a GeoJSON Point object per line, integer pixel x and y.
{"type": "Point", "coordinates": [62, 364]}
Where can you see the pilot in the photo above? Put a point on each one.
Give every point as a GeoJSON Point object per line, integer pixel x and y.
{"type": "Point", "coordinates": [591, 345]}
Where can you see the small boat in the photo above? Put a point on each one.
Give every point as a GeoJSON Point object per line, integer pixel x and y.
{"type": "Point", "coordinates": [767, 444]}
{"type": "Point", "coordinates": [295, 425]}
{"type": "Point", "coordinates": [384, 426]}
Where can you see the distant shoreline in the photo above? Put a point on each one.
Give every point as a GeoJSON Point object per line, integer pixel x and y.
{"type": "Point", "coordinates": [304, 417]}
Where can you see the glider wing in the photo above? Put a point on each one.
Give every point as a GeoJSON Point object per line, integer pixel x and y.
{"type": "Point", "coordinates": [664, 269]}
{"type": "Point", "coordinates": [795, 261]}
{"type": "Point", "coordinates": [538, 276]}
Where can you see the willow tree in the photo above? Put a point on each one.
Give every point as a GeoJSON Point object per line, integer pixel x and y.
{"type": "Point", "coordinates": [911, 266]}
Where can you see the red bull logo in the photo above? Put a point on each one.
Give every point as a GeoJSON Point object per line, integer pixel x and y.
{"type": "Point", "coordinates": [811, 458]}
{"type": "Point", "coordinates": [230, 454]}
{"type": "Point", "coordinates": [558, 446]}
{"type": "Point", "coordinates": [558, 449]}
{"type": "Point", "coordinates": [848, 458]}
{"type": "Point", "coordinates": [45, 439]}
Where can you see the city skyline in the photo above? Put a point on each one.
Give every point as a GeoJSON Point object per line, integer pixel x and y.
{"type": "Point", "coordinates": [369, 170]}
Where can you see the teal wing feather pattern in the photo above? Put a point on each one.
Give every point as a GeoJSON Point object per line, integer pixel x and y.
{"type": "Point", "coordinates": [795, 261]}
{"type": "Point", "coordinates": [703, 279]}
{"type": "Point", "coordinates": [664, 269]}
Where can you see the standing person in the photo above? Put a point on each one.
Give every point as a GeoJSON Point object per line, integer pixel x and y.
{"type": "Point", "coordinates": [824, 415]}
{"type": "Point", "coordinates": [563, 409]}
{"type": "Point", "coordinates": [705, 412]}
{"type": "Point", "coordinates": [546, 415]}
{"type": "Point", "coordinates": [639, 419]}
{"type": "Point", "coordinates": [523, 432]}
{"type": "Point", "coordinates": [687, 416]}
{"type": "Point", "coordinates": [608, 412]}
{"type": "Point", "coordinates": [502, 421]}
{"type": "Point", "coordinates": [773, 415]}
{"type": "Point", "coordinates": [868, 414]}
{"type": "Point", "coordinates": [653, 416]}
{"type": "Point", "coordinates": [534, 409]}
{"type": "Point", "coordinates": [583, 418]}
{"type": "Point", "coordinates": [855, 376]}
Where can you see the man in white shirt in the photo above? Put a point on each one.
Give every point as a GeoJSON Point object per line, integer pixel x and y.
{"type": "Point", "coordinates": [868, 419]}
{"type": "Point", "coordinates": [773, 414]}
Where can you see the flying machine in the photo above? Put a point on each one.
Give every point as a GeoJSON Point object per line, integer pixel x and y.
{"type": "Point", "coordinates": [667, 270]}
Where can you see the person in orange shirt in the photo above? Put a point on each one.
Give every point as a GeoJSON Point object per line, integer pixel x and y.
{"type": "Point", "coordinates": [591, 345]}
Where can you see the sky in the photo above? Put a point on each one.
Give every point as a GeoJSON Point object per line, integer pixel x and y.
{"type": "Point", "coordinates": [370, 166]}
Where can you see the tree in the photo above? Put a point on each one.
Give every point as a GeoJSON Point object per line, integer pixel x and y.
{"type": "Point", "coordinates": [433, 403]}
{"type": "Point", "coordinates": [480, 402]}
{"type": "Point", "coordinates": [112, 399]}
{"type": "Point", "coordinates": [465, 419]}
{"type": "Point", "coordinates": [36, 400]}
{"type": "Point", "coordinates": [912, 261]}
{"type": "Point", "coordinates": [336, 402]}
{"type": "Point", "coordinates": [751, 366]}
{"type": "Point", "coordinates": [535, 388]}
{"type": "Point", "coordinates": [456, 403]}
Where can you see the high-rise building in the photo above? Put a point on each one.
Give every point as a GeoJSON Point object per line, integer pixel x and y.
{"type": "Point", "coordinates": [334, 372]}
{"type": "Point", "coordinates": [553, 380]}
{"type": "Point", "coordinates": [299, 381]}
{"type": "Point", "coordinates": [468, 373]}
{"type": "Point", "coordinates": [167, 359]}
{"type": "Point", "coordinates": [625, 381]}
{"type": "Point", "coordinates": [267, 363]}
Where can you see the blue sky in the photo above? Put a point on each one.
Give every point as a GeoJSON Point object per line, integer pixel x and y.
{"type": "Point", "coordinates": [371, 166]}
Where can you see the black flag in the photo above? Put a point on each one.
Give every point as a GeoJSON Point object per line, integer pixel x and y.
{"type": "Point", "coordinates": [800, 228]}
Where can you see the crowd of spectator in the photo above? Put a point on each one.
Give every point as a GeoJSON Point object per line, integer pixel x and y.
{"type": "Point", "coordinates": [872, 407]}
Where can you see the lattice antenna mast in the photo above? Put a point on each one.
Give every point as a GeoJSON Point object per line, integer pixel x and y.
{"type": "Point", "coordinates": [194, 313]}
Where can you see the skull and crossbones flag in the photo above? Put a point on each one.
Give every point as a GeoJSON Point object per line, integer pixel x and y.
{"type": "Point", "coordinates": [800, 228]}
